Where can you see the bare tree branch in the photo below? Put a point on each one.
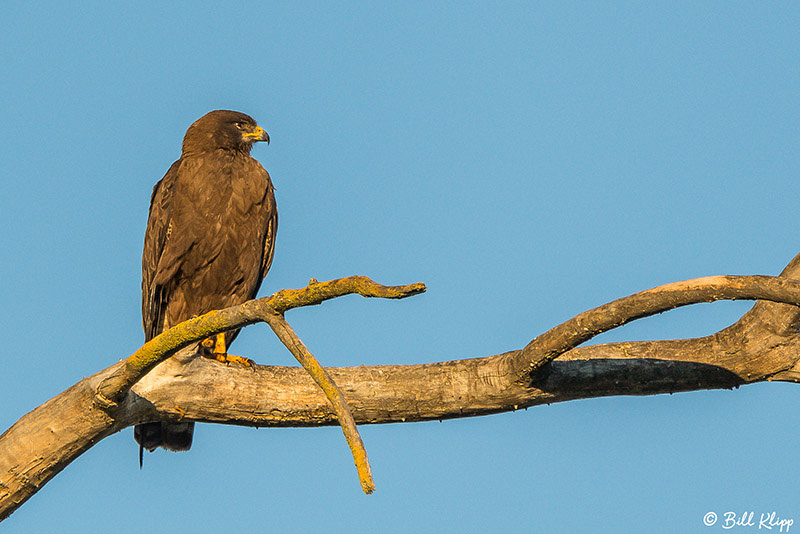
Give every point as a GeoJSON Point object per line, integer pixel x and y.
{"type": "Point", "coordinates": [581, 328]}
{"type": "Point", "coordinates": [270, 310]}
{"type": "Point", "coordinates": [763, 345]}
{"type": "Point", "coordinates": [286, 334]}
{"type": "Point", "coordinates": [161, 347]}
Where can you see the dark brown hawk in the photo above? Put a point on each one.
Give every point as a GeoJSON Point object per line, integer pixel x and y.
{"type": "Point", "coordinates": [209, 242]}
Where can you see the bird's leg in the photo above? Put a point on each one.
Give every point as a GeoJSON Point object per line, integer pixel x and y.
{"type": "Point", "coordinates": [221, 354]}
{"type": "Point", "coordinates": [220, 350]}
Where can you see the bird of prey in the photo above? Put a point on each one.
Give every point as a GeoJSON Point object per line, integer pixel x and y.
{"type": "Point", "coordinates": [209, 242]}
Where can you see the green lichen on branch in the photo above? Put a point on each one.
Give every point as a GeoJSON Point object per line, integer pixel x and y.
{"type": "Point", "coordinates": [161, 347]}
{"type": "Point", "coordinates": [293, 342]}
{"type": "Point", "coordinates": [270, 310]}
{"type": "Point", "coordinates": [318, 292]}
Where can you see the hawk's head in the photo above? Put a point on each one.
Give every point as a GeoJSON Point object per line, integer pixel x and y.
{"type": "Point", "coordinates": [223, 129]}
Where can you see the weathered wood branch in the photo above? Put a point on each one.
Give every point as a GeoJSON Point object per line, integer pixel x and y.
{"type": "Point", "coordinates": [270, 310]}
{"type": "Point", "coordinates": [33, 434]}
{"type": "Point", "coordinates": [763, 345]}
{"type": "Point", "coordinates": [334, 395]}
{"type": "Point", "coordinates": [161, 347]}
{"type": "Point", "coordinates": [581, 328]}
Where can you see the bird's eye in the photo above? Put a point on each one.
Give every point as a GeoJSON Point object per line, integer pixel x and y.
{"type": "Point", "coordinates": [240, 125]}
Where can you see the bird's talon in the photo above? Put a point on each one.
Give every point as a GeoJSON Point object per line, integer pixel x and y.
{"type": "Point", "coordinates": [228, 358]}
{"type": "Point", "coordinates": [247, 362]}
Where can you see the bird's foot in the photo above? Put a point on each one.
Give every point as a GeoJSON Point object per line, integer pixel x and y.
{"type": "Point", "coordinates": [228, 358]}
{"type": "Point", "coordinates": [219, 352]}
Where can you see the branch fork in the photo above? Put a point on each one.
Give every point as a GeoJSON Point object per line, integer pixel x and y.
{"type": "Point", "coordinates": [530, 361]}
{"type": "Point", "coordinates": [270, 310]}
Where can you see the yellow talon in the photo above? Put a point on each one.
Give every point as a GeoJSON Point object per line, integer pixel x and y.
{"type": "Point", "coordinates": [228, 358]}
{"type": "Point", "coordinates": [221, 354]}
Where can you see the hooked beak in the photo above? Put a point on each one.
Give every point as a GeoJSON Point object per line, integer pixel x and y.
{"type": "Point", "coordinates": [257, 135]}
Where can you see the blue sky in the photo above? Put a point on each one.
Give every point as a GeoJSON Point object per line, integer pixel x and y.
{"type": "Point", "coordinates": [526, 161]}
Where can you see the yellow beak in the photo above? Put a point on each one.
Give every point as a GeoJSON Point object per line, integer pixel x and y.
{"type": "Point", "coordinates": [257, 135]}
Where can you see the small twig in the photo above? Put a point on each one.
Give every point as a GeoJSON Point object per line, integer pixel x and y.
{"type": "Point", "coordinates": [318, 292]}
{"type": "Point", "coordinates": [288, 337]}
